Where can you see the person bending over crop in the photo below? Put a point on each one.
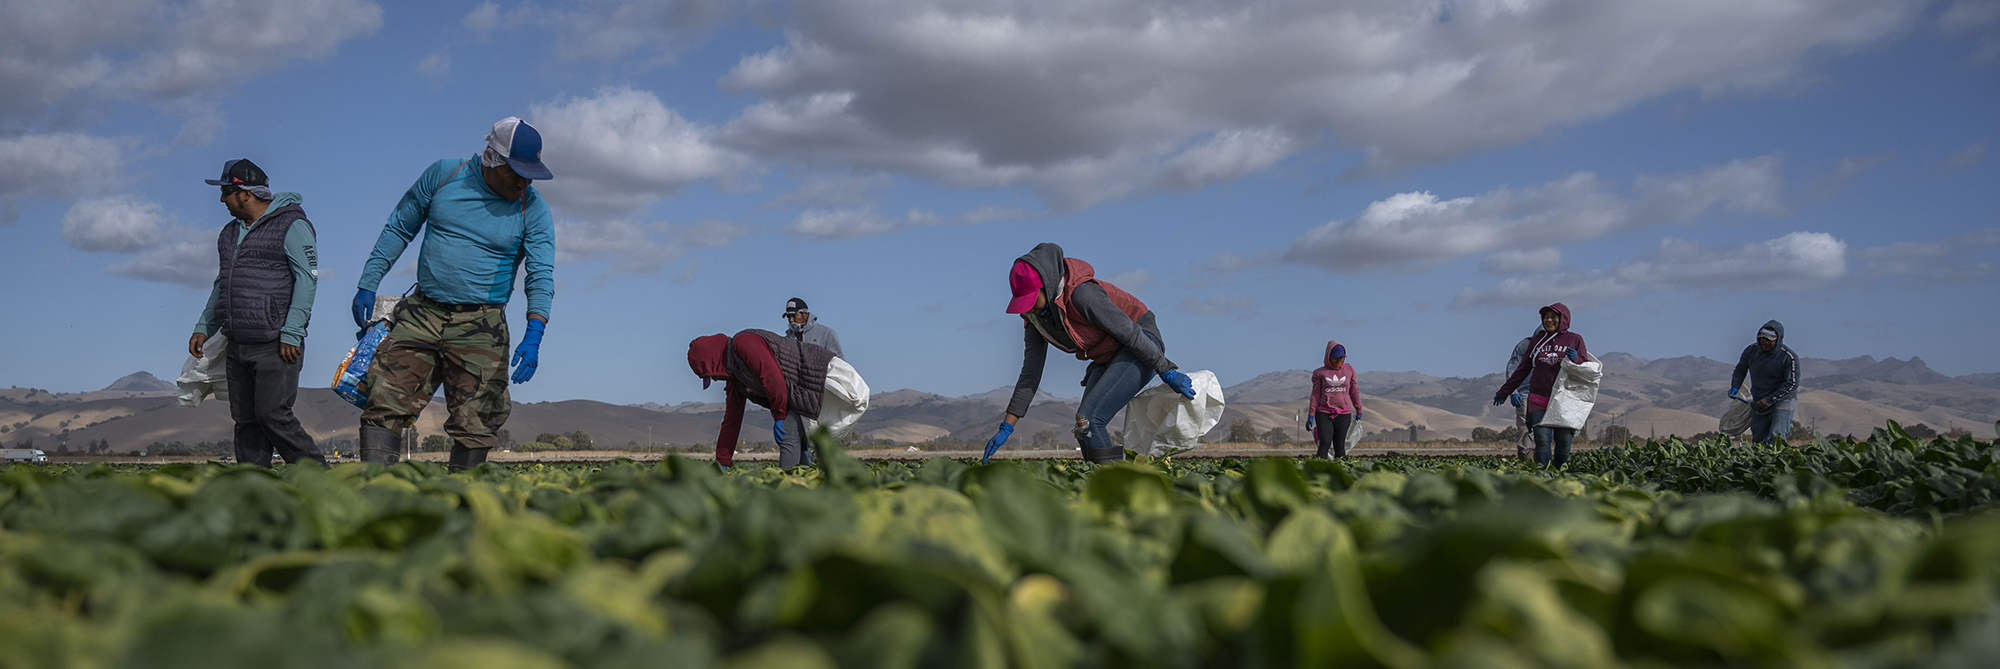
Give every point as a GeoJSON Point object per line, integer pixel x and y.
{"type": "Point", "coordinates": [482, 220]}
{"type": "Point", "coordinates": [786, 375]}
{"type": "Point", "coordinates": [1063, 304]}
{"type": "Point", "coordinates": [1539, 367]}
{"type": "Point", "coordinates": [1336, 401]}
{"type": "Point", "coordinates": [1774, 380]}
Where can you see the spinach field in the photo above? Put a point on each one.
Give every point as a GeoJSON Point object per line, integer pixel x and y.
{"type": "Point", "coordinates": [1875, 553]}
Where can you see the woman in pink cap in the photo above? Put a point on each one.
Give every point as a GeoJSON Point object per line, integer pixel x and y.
{"type": "Point", "coordinates": [1063, 304]}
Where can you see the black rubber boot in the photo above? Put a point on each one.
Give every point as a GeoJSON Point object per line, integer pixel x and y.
{"type": "Point", "coordinates": [1104, 455]}
{"type": "Point", "coordinates": [463, 458]}
{"type": "Point", "coordinates": [381, 445]}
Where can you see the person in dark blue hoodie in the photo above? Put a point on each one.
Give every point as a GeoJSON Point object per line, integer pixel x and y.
{"type": "Point", "coordinates": [1774, 381]}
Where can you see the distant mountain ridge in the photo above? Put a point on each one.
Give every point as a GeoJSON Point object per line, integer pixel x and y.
{"type": "Point", "coordinates": [1681, 395]}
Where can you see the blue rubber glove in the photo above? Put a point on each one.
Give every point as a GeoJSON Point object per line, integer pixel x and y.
{"type": "Point", "coordinates": [1497, 399]}
{"type": "Point", "coordinates": [1518, 397]}
{"type": "Point", "coordinates": [778, 432]}
{"type": "Point", "coordinates": [999, 438]}
{"type": "Point", "coordinates": [1733, 390]}
{"type": "Point", "coordinates": [529, 353]}
{"type": "Point", "coordinates": [1572, 356]}
{"type": "Point", "coordinates": [364, 307]}
{"type": "Point", "coordinates": [1179, 382]}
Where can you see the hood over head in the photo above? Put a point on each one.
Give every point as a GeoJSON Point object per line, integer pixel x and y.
{"type": "Point", "coordinates": [1562, 315]}
{"type": "Point", "coordinates": [1334, 350]}
{"type": "Point", "coordinates": [795, 328]}
{"type": "Point", "coordinates": [709, 357]}
{"type": "Point", "coordinates": [1047, 260]}
{"type": "Point", "coordinates": [1774, 326]}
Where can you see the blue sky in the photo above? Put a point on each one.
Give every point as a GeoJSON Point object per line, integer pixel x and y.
{"type": "Point", "coordinates": [1410, 179]}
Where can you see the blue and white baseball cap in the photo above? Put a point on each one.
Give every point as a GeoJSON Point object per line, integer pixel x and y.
{"type": "Point", "coordinates": [521, 145]}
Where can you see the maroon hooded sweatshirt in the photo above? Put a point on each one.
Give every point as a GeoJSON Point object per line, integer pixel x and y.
{"type": "Point", "coordinates": [1543, 360]}
{"type": "Point", "coordinates": [1335, 390]}
{"type": "Point", "coordinates": [709, 358]}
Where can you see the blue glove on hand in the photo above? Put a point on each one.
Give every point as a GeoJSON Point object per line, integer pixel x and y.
{"type": "Point", "coordinates": [364, 307]}
{"type": "Point", "coordinates": [1179, 382]}
{"type": "Point", "coordinates": [1732, 392]}
{"type": "Point", "coordinates": [529, 353]}
{"type": "Point", "coordinates": [1006, 429]}
{"type": "Point", "coordinates": [1572, 356]}
{"type": "Point", "coordinates": [1518, 397]}
{"type": "Point", "coordinates": [1497, 399]}
{"type": "Point", "coordinates": [778, 432]}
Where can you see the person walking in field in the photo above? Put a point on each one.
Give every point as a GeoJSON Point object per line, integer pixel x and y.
{"type": "Point", "coordinates": [802, 325]}
{"type": "Point", "coordinates": [1063, 304]}
{"type": "Point", "coordinates": [788, 376]}
{"type": "Point", "coordinates": [1524, 444]}
{"type": "Point", "coordinates": [482, 221]}
{"type": "Point", "coordinates": [1773, 371]}
{"type": "Point", "coordinates": [262, 301]}
{"type": "Point", "coordinates": [1539, 367]}
{"type": "Point", "coordinates": [1336, 401]}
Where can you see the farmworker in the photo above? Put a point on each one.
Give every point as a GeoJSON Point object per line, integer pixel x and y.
{"type": "Point", "coordinates": [1774, 381]}
{"type": "Point", "coordinates": [1524, 445]}
{"type": "Point", "coordinates": [1336, 401]}
{"type": "Point", "coordinates": [801, 325]}
{"type": "Point", "coordinates": [481, 221]}
{"type": "Point", "coordinates": [1539, 367]}
{"type": "Point", "coordinates": [262, 301]}
{"type": "Point", "coordinates": [1063, 304]}
{"type": "Point", "coordinates": [785, 375]}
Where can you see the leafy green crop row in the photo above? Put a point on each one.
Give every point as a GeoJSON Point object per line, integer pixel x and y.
{"type": "Point", "coordinates": [1390, 562]}
{"type": "Point", "coordinates": [1890, 470]}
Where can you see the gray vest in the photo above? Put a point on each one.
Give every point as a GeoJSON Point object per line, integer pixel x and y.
{"type": "Point", "coordinates": [804, 366]}
{"type": "Point", "coordinates": [256, 279]}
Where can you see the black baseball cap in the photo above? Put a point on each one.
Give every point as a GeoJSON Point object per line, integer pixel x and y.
{"type": "Point", "coordinates": [795, 305]}
{"type": "Point", "coordinates": [240, 172]}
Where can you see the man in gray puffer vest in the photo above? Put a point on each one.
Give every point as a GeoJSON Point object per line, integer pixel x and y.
{"type": "Point", "coordinates": [802, 325]}
{"type": "Point", "coordinates": [262, 300]}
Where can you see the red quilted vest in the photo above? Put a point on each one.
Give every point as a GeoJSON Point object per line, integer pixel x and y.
{"type": "Point", "coordinates": [1092, 343]}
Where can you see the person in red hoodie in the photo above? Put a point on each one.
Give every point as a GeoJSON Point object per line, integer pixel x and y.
{"type": "Point", "coordinates": [777, 372]}
{"type": "Point", "coordinates": [1336, 401]}
{"type": "Point", "coordinates": [1539, 366]}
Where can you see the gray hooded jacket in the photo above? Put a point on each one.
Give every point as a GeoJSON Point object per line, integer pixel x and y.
{"type": "Point", "coordinates": [1774, 374]}
{"type": "Point", "coordinates": [1096, 306]}
{"type": "Point", "coordinates": [818, 335]}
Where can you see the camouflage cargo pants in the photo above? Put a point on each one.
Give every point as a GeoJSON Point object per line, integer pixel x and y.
{"type": "Point", "coordinates": [459, 347]}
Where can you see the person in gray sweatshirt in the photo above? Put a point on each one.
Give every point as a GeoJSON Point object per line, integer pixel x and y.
{"type": "Point", "coordinates": [1773, 371]}
{"type": "Point", "coordinates": [802, 325]}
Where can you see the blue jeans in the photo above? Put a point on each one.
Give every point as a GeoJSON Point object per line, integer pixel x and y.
{"type": "Point", "coordinates": [1551, 443]}
{"type": "Point", "coordinates": [1776, 423]}
{"type": "Point", "coordinates": [1107, 387]}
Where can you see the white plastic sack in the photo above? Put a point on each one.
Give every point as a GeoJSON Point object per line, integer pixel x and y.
{"type": "Point", "coordinates": [1354, 432]}
{"type": "Point", "coordinates": [1160, 422]}
{"type": "Point", "coordinates": [206, 375]}
{"type": "Point", "coordinates": [1736, 419]}
{"type": "Point", "coordinates": [846, 398]}
{"type": "Point", "coordinates": [1574, 395]}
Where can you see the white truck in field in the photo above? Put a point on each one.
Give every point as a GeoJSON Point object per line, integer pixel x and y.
{"type": "Point", "coordinates": [24, 455]}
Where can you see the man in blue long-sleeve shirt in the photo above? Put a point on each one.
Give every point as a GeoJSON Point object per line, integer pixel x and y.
{"type": "Point", "coordinates": [262, 300]}
{"type": "Point", "coordinates": [482, 221]}
{"type": "Point", "coordinates": [1773, 371]}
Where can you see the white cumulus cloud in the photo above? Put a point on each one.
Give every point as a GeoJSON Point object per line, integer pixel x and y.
{"type": "Point", "coordinates": [1521, 261]}
{"type": "Point", "coordinates": [633, 247]}
{"type": "Point", "coordinates": [62, 164]}
{"type": "Point", "coordinates": [156, 249]}
{"type": "Point", "coordinates": [1419, 229]}
{"type": "Point", "coordinates": [1797, 261]}
{"type": "Point", "coordinates": [620, 150]}
{"type": "Point", "coordinates": [1093, 99]}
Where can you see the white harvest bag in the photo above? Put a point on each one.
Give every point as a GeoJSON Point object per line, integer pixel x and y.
{"type": "Point", "coordinates": [205, 375]}
{"type": "Point", "coordinates": [1736, 419]}
{"type": "Point", "coordinates": [846, 398]}
{"type": "Point", "coordinates": [1573, 395]}
{"type": "Point", "coordinates": [1160, 422]}
{"type": "Point", "coordinates": [1354, 432]}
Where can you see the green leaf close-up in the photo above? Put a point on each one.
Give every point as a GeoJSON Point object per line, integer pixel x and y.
{"type": "Point", "coordinates": [1878, 552]}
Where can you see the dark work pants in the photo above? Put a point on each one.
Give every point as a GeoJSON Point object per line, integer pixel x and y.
{"type": "Point", "coordinates": [1551, 443]}
{"type": "Point", "coordinates": [1766, 426]}
{"type": "Point", "coordinates": [795, 449]}
{"type": "Point", "coordinates": [1331, 431]}
{"type": "Point", "coordinates": [262, 387]}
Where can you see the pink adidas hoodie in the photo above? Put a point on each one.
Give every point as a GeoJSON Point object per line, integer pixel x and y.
{"type": "Point", "coordinates": [1335, 390]}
